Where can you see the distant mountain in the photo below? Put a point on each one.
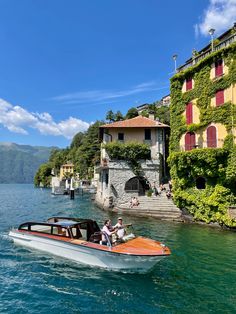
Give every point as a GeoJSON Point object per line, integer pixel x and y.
{"type": "Point", "coordinates": [19, 163]}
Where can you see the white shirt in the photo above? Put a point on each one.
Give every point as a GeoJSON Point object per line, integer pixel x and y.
{"type": "Point", "coordinates": [120, 231]}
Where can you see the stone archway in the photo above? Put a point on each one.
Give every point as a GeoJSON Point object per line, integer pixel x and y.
{"type": "Point", "coordinates": [137, 184]}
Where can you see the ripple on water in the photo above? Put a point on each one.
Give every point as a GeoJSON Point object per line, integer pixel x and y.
{"type": "Point", "coordinates": [198, 277]}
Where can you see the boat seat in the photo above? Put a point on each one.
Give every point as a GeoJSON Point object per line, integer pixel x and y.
{"type": "Point", "coordinates": [96, 237]}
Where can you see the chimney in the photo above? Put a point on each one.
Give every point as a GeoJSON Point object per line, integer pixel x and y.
{"type": "Point", "coordinates": [151, 116]}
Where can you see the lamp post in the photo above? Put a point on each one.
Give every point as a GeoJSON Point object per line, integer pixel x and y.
{"type": "Point", "coordinates": [211, 32]}
{"type": "Point", "coordinates": [174, 58]}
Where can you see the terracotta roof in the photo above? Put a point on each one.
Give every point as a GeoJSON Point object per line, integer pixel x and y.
{"type": "Point", "coordinates": [137, 122]}
{"type": "Point", "coordinates": [68, 165]}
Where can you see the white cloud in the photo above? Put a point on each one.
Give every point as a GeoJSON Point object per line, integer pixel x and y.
{"type": "Point", "coordinates": [92, 96]}
{"type": "Point", "coordinates": [70, 126]}
{"type": "Point", "coordinates": [17, 119]}
{"type": "Point", "coordinates": [220, 15]}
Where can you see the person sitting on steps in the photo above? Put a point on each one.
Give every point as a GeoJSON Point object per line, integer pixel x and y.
{"type": "Point", "coordinates": [134, 202]}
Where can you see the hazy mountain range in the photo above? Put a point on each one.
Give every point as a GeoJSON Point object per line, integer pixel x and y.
{"type": "Point", "coordinates": [19, 163]}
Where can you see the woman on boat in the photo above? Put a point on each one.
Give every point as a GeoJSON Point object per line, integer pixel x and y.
{"type": "Point", "coordinates": [106, 232]}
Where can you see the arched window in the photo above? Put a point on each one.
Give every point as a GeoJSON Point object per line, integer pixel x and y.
{"type": "Point", "coordinates": [190, 141]}
{"type": "Point", "coordinates": [132, 184]}
{"type": "Point", "coordinates": [211, 136]}
{"type": "Point", "coordinates": [200, 183]}
{"type": "Point", "coordinates": [189, 113]}
{"type": "Point", "coordinates": [137, 184]}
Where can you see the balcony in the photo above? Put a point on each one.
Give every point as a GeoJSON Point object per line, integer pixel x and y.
{"type": "Point", "coordinates": [194, 60]}
{"type": "Point", "coordinates": [204, 144]}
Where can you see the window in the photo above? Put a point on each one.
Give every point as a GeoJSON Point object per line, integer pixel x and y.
{"type": "Point", "coordinates": [147, 134]}
{"type": "Point", "coordinates": [211, 137]}
{"type": "Point", "coordinates": [190, 141]}
{"type": "Point", "coordinates": [41, 228]}
{"type": "Point", "coordinates": [132, 184]}
{"type": "Point", "coordinates": [106, 178]}
{"type": "Point", "coordinates": [200, 183]}
{"type": "Point", "coordinates": [189, 113]}
{"type": "Point", "coordinates": [120, 136]}
{"type": "Point", "coordinates": [189, 83]}
{"type": "Point", "coordinates": [218, 68]}
{"type": "Point", "coordinates": [220, 97]}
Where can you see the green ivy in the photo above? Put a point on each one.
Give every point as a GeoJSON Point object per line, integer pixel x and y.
{"type": "Point", "coordinates": [132, 152]}
{"type": "Point", "coordinates": [217, 166]}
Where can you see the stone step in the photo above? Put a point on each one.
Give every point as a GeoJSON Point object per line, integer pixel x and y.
{"type": "Point", "coordinates": [153, 206]}
{"type": "Point", "coordinates": [157, 211]}
{"type": "Point", "coordinates": [155, 214]}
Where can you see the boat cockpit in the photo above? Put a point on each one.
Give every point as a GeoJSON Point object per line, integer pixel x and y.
{"type": "Point", "coordinates": [74, 228]}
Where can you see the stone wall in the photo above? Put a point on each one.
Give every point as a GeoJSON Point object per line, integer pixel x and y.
{"type": "Point", "coordinates": [119, 173]}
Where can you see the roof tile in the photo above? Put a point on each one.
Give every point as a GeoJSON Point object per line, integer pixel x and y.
{"type": "Point", "coordinates": [137, 122]}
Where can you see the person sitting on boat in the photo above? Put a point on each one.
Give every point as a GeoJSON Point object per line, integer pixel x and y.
{"type": "Point", "coordinates": [110, 227]}
{"type": "Point", "coordinates": [120, 227]}
{"type": "Point", "coordinates": [106, 233]}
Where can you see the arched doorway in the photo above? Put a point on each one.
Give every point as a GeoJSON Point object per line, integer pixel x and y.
{"type": "Point", "coordinates": [137, 184]}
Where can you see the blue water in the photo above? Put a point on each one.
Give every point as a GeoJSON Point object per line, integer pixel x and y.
{"type": "Point", "coordinates": [199, 276]}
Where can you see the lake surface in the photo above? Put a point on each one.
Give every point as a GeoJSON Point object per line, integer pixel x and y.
{"type": "Point", "coordinates": [199, 276]}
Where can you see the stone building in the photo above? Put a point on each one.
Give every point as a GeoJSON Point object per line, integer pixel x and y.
{"type": "Point", "coordinates": [117, 180]}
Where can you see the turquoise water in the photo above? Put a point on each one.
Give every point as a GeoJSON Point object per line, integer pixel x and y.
{"type": "Point", "coordinates": [199, 276]}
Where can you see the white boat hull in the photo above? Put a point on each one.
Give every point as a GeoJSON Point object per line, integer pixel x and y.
{"type": "Point", "coordinates": [86, 255]}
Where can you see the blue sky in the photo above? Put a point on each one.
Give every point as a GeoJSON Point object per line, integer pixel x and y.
{"type": "Point", "coordinates": [65, 63]}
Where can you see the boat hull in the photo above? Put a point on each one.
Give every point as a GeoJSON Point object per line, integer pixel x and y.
{"type": "Point", "coordinates": [92, 256]}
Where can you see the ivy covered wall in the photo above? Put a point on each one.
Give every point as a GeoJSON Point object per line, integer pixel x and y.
{"type": "Point", "coordinates": [217, 166]}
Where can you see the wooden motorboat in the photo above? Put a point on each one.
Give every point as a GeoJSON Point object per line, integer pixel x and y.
{"type": "Point", "coordinates": [80, 240]}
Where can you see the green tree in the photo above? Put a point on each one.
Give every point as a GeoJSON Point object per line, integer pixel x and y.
{"type": "Point", "coordinates": [131, 113]}
{"type": "Point", "coordinates": [110, 116]}
{"type": "Point", "coordinates": [77, 140]}
{"type": "Point", "coordinates": [43, 175]}
{"type": "Point", "coordinates": [119, 116]}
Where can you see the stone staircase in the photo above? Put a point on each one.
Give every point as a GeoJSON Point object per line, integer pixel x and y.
{"type": "Point", "coordinates": [155, 206]}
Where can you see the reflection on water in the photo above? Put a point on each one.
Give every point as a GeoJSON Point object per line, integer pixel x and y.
{"type": "Point", "coordinates": [198, 277]}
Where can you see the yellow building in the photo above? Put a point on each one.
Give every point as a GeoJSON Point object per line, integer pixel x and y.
{"type": "Point", "coordinates": [208, 96]}
{"type": "Point", "coordinates": [66, 170]}
{"type": "Point", "coordinates": [203, 131]}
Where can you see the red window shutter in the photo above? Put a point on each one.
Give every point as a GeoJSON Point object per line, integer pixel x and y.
{"type": "Point", "coordinates": [218, 68]}
{"type": "Point", "coordinates": [211, 137]}
{"type": "Point", "coordinates": [189, 83]}
{"type": "Point", "coordinates": [190, 141]}
{"type": "Point", "coordinates": [220, 97]}
{"type": "Point", "coordinates": [189, 113]}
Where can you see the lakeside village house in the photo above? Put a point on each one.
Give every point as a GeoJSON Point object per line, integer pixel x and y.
{"type": "Point", "coordinates": [203, 115]}
{"type": "Point", "coordinates": [117, 182]}
{"type": "Point", "coordinates": [62, 182]}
